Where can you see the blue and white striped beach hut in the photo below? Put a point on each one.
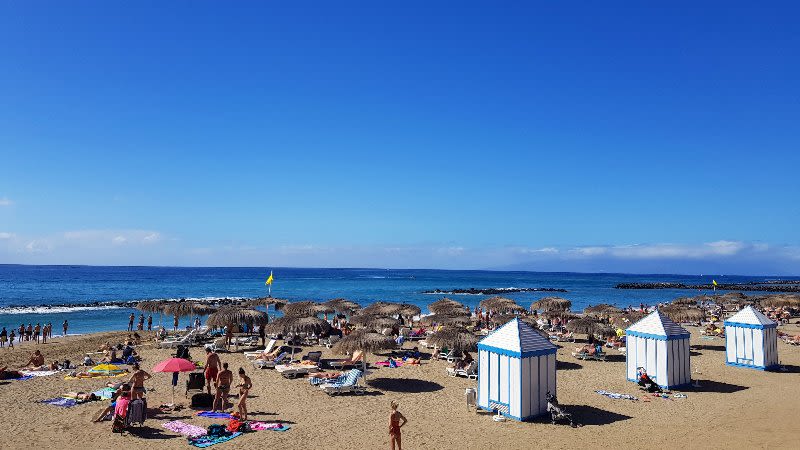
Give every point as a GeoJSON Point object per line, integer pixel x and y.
{"type": "Point", "coordinates": [661, 347]}
{"type": "Point", "coordinates": [516, 370]}
{"type": "Point", "coordinates": [751, 340]}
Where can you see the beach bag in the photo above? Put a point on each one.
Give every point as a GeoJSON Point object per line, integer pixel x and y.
{"type": "Point", "coordinates": [234, 425]}
{"type": "Point", "coordinates": [118, 424]}
{"type": "Point", "coordinates": [203, 400]}
{"type": "Point", "coordinates": [217, 430]}
{"type": "Point", "coordinates": [137, 412]}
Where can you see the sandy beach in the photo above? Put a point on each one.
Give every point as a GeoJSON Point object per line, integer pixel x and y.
{"type": "Point", "coordinates": [732, 408]}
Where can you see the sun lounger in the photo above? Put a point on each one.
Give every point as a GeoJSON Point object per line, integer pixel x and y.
{"type": "Point", "coordinates": [470, 371]}
{"type": "Point", "coordinates": [347, 383]}
{"type": "Point", "coordinates": [186, 339]}
{"type": "Point", "coordinates": [295, 370]}
{"type": "Point", "coordinates": [333, 339]}
{"type": "Point", "coordinates": [266, 364]}
{"type": "Point", "coordinates": [586, 356]}
{"type": "Point", "coordinates": [568, 337]}
{"type": "Point", "coordinates": [254, 355]}
{"type": "Point", "coordinates": [313, 357]}
{"type": "Point", "coordinates": [353, 361]}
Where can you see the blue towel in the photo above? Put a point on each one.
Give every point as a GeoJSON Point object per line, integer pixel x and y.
{"type": "Point", "coordinates": [215, 415]}
{"type": "Point", "coordinates": [62, 402]}
{"type": "Point", "coordinates": [208, 441]}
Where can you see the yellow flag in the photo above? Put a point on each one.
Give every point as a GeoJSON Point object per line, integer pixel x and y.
{"type": "Point", "coordinates": [269, 280]}
{"type": "Point", "coordinates": [714, 281]}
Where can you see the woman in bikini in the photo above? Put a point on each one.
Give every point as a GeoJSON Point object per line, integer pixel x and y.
{"type": "Point", "coordinates": [244, 389]}
{"type": "Point", "coordinates": [396, 421]}
{"type": "Point", "coordinates": [137, 382]}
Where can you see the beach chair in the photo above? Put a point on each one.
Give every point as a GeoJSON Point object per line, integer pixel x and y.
{"type": "Point", "coordinates": [586, 355]}
{"type": "Point", "coordinates": [568, 337]}
{"type": "Point", "coordinates": [354, 360]}
{"type": "Point", "coordinates": [313, 357]}
{"type": "Point", "coordinates": [254, 355]}
{"type": "Point", "coordinates": [186, 339]}
{"type": "Point", "coordinates": [196, 382]}
{"type": "Point", "coordinates": [332, 339]}
{"type": "Point", "coordinates": [265, 364]}
{"type": "Point", "coordinates": [470, 371]}
{"type": "Point", "coordinates": [292, 371]}
{"type": "Point", "coordinates": [454, 356]}
{"type": "Point", "coordinates": [347, 383]}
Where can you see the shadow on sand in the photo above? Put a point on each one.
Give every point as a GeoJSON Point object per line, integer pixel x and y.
{"type": "Point", "coordinates": [407, 385]}
{"type": "Point", "coordinates": [566, 365]}
{"type": "Point", "coordinates": [589, 415]}
{"type": "Point", "coordinates": [715, 348]}
{"type": "Point", "coordinates": [146, 432]}
{"type": "Point", "coordinates": [715, 386]}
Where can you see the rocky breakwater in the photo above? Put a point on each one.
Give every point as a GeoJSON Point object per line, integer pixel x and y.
{"type": "Point", "coordinates": [766, 287]}
{"type": "Point", "coordinates": [490, 291]}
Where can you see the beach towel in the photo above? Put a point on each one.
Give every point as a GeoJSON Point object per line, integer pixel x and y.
{"type": "Point", "coordinates": [185, 428]}
{"type": "Point", "coordinates": [105, 393]}
{"type": "Point", "coordinates": [38, 373]}
{"type": "Point", "coordinates": [214, 415]}
{"type": "Point", "coordinates": [616, 395]}
{"type": "Point", "coordinates": [392, 365]}
{"type": "Point", "coordinates": [61, 401]}
{"type": "Point", "coordinates": [261, 426]}
{"type": "Point", "coordinates": [208, 441]}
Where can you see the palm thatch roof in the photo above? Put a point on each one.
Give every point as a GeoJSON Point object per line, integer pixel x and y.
{"type": "Point", "coordinates": [188, 308]}
{"type": "Point", "coordinates": [265, 301]}
{"type": "Point", "coordinates": [683, 314]}
{"type": "Point", "coordinates": [151, 306]}
{"type": "Point", "coordinates": [688, 301]}
{"type": "Point", "coordinates": [297, 324]}
{"type": "Point", "coordinates": [445, 305]}
{"type": "Point", "coordinates": [343, 305]}
{"type": "Point", "coordinates": [563, 315]}
{"type": "Point", "coordinates": [374, 321]}
{"type": "Point", "coordinates": [780, 300]}
{"type": "Point", "coordinates": [454, 338]}
{"type": "Point", "coordinates": [501, 305]}
{"type": "Point", "coordinates": [583, 325]}
{"type": "Point", "coordinates": [602, 309]}
{"type": "Point", "coordinates": [363, 340]}
{"type": "Point", "coordinates": [409, 310]}
{"type": "Point", "coordinates": [501, 319]}
{"type": "Point", "coordinates": [304, 308]}
{"type": "Point", "coordinates": [552, 304]}
{"type": "Point", "coordinates": [446, 319]}
{"type": "Point", "coordinates": [626, 319]}
{"type": "Point", "coordinates": [383, 308]}
{"type": "Point", "coordinates": [233, 315]}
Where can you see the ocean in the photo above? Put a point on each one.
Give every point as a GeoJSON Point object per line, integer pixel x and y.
{"type": "Point", "coordinates": [27, 293]}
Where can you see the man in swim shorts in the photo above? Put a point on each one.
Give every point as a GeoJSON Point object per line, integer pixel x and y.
{"type": "Point", "coordinates": [212, 368]}
{"type": "Point", "coordinates": [224, 380]}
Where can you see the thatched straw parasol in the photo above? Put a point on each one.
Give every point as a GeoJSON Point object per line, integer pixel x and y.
{"type": "Point", "coordinates": [409, 310]}
{"type": "Point", "coordinates": [445, 306]}
{"type": "Point", "coordinates": [686, 301]}
{"type": "Point", "coordinates": [265, 301]}
{"type": "Point", "coordinates": [496, 303]}
{"type": "Point", "coordinates": [626, 319]}
{"type": "Point", "coordinates": [374, 321]}
{"type": "Point", "coordinates": [365, 341]}
{"type": "Point", "coordinates": [343, 305]}
{"type": "Point", "coordinates": [683, 314]}
{"type": "Point", "coordinates": [150, 306]}
{"type": "Point", "coordinates": [232, 315]}
{"type": "Point", "coordinates": [583, 325]}
{"type": "Point", "coordinates": [446, 319]}
{"type": "Point", "coordinates": [305, 308]}
{"type": "Point", "coordinates": [297, 324]}
{"type": "Point", "coordinates": [552, 304]}
{"type": "Point", "coordinates": [780, 300]}
{"type": "Point", "coordinates": [604, 331]}
{"type": "Point", "coordinates": [383, 309]}
{"type": "Point", "coordinates": [454, 338]}
{"type": "Point", "coordinates": [602, 309]}
{"type": "Point", "coordinates": [501, 319]}
{"type": "Point", "coordinates": [563, 315]}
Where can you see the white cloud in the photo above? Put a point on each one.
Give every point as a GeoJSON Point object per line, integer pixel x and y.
{"type": "Point", "coordinates": [118, 240]}
{"type": "Point", "coordinates": [38, 246]}
{"type": "Point", "coordinates": [5, 202]}
{"type": "Point", "coordinates": [5, 235]}
{"type": "Point", "coordinates": [152, 237]}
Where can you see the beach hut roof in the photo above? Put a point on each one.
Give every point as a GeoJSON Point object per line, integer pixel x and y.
{"type": "Point", "coordinates": [750, 316]}
{"type": "Point", "coordinates": [657, 325]}
{"type": "Point", "coordinates": [517, 338]}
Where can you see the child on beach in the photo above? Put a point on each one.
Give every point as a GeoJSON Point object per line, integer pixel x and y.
{"type": "Point", "coordinates": [395, 418]}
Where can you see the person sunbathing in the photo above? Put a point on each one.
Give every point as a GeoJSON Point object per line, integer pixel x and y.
{"type": "Point", "coordinates": [271, 355]}
{"type": "Point", "coordinates": [6, 374]}
{"type": "Point", "coordinates": [36, 361]}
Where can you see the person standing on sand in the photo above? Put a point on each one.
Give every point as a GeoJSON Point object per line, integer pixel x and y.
{"type": "Point", "coordinates": [212, 368]}
{"type": "Point", "coordinates": [130, 321]}
{"type": "Point", "coordinates": [11, 339]}
{"type": "Point", "coordinates": [3, 337]}
{"type": "Point", "coordinates": [66, 325]}
{"type": "Point", "coordinates": [150, 322]}
{"type": "Point", "coordinates": [244, 389]}
{"type": "Point", "coordinates": [141, 322]}
{"type": "Point", "coordinates": [21, 332]}
{"type": "Point", "coordinates": [137, 382]}
{"type": "Point", "coordinates": [36, 330]}
{"type": "Point", "coordinates": [44, 334]}
{"type": "Point", "coordinates": [29, 332]}
{"type": "Point", "coordinates": [175, 324]}
{"type": "Point", "coordinates": [224, 380]}
{"type": "Point", "coordinates": [395, 418]}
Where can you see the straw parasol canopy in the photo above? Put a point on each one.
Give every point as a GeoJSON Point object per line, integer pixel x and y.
{"type": "Point", "coordinates": [343, 305]}
{"type": "Point", "coordinates": [232, 315]}
{"type": "Point", "coordinates": [496, 303]}
{"type": "Point", "coordinates": [683, 314]}
{"type": "Point", "coordinates": [297, 324]}
{"type": "Point", "coordinates": [374, 321]}
{"type": "Point", "coordinates": [686, 301]}
{"type": "Point", "coordinates": [583, 325]}
{"type": "Point", "coordinates": [501, 319]}
{"type": "Point", "coordinates": [601, 309]}
{"type": "Point", "coordinates": [383, 308]}
{"type": "Point", "coordinates": [305, 308]}
{"type": "Point", "coordinates": [409, 310]}
{"type": "Point", "coordinates": [604, 331]}
{"type": "Point", "coordinates": [552, 304]}
{"type": "Point", "coordinates": [780, 300]}
{"type": "Point", "coordinates": [265, 301]}
{"type": "Point", "coordinates": [626, 319]}
{"type": "Point", "coordinates": [454, 338]}
{"type": "Point", "coordinates": [445, 305]}
{"type": "Point", "coordinates": [446, 319]}
{"type": "Point", "coordinates": [151, 306]}
{"type": "Point", "coordinates": [563, 315]}
{"type": "Point", "coordinates": [365, 341]}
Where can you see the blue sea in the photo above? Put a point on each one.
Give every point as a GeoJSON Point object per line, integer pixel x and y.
{"type": "Point", "coordinates": [24, 290]}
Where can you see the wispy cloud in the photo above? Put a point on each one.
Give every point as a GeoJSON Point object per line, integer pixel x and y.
{"type": "Point", "coordinates": [4, 201]}
{"type": "Point", "coordinates": [6, 235]}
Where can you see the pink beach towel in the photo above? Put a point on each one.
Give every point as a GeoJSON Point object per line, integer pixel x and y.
{"type": "Point", "coordinates": [185, 428]}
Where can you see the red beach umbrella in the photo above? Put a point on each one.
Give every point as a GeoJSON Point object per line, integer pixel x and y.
{"type": "Point", "coordinates": [174, 365]}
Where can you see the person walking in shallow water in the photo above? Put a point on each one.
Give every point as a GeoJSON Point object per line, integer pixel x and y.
{"type": "Point", "coordinates": [66, 325]}
{"type": "Point", "coordinates": [130, 321]}
{"type": "Point", "coordinates": [396, 421]}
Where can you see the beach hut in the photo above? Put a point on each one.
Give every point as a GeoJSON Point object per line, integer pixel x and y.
{"type": "Point", "coordinates": [516, 370]}
{"type": "Point", "coordinates": [661, 347]}
{"type": "Point", "coordinates": [751, 340]}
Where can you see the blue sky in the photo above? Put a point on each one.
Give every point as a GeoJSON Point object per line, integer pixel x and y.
{"type": "Point", "coordinates": [586, 136]}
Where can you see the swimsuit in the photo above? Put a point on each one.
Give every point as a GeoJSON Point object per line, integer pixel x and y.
{"type": "Point", "coordinates": [394, 428]}
{"type": "Point", "coordinates": [211, 373]}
